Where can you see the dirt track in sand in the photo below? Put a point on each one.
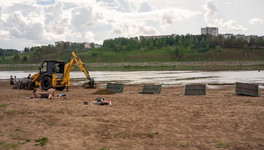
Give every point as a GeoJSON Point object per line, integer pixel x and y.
{"type": "Point", "coordinates": [170, 120]}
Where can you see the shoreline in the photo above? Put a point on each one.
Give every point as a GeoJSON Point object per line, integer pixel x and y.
{"type": "Point", "coordinates": [210, 66]}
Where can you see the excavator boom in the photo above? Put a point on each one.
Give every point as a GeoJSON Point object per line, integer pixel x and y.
{"type": "Point", "coordinates": [76, 59]}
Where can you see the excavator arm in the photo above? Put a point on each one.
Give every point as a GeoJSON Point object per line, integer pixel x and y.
{"type": "Point", "coordinates": [76, 59]}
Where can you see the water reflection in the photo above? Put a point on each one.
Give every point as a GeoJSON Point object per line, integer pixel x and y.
{"type": "Point", "coordinates": [161, 77]}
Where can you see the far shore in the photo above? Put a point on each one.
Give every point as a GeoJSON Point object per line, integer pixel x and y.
{"type": "Point", "coordinates": [214, 66]}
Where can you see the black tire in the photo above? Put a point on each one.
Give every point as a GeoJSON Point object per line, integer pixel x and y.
{"type": "Point", "coordinates": [60, 88]}
{"type": "Point", "coordinates": [46, 83]}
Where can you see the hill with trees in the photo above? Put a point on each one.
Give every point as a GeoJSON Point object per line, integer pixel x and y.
{"type": "Point", "coordinates": [164, 49]}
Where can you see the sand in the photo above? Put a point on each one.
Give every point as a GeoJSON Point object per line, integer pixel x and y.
{"type": "Point", "coordinates": [169, 120]}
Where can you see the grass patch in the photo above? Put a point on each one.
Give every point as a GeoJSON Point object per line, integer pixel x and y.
{"type": "Point", "coordinates": [3, 105]}
{"type": "Point", "coordinates": [9, 112]}
{"type": "Point", "coordinates": [115, 135]}
{"type": "Point", "coordinates": [58, 111]}
{"type": "Point", "coordinates": [223, 145]}
{"type": "Point", "coordinates": [21, 112]}
{"type": "Point", "coordinates": [105, 148]}
{"type": "Point", "coordinates": [150, 134]}
{"type": "Point", "coordinates": [15, 136]}
{"type": "Point", "coordinates": [12, 112]}
{"type": "Point", "coordinates": [41, 141]}
{"type": "Point", "coordinates": [10, 145]}
{"type": "Point", "coordinates": [121, 135]}
{"type": "Point", "coordinates": [183, 144]}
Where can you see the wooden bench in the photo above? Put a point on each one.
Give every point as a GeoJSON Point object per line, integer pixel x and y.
{"type": "Point", "coordinates": [151, 89]}
{"type": "Point", "coordinates": [114, 87]}
{"type": "Point", "coordinates": [247, 89]}
{"type": "Point", "coordinates": [195, 89]}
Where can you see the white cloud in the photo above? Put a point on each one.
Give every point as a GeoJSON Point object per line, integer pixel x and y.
{"type": "Point", "coordinates": [256, 21]}
{"type": "Point", "coordinates": [28, 27]}
{"type": "Point", "coordinates": [144, 7]}
{"type": "Point", "coordinates": [134, 30]}
{"type": "Point", "coordinates": [47, 21]}
{"type": "Point", "coordinates": [212, 20]}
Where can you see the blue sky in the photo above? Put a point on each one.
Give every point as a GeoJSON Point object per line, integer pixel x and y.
{"type": "Point", "coordinates": [27, 23]}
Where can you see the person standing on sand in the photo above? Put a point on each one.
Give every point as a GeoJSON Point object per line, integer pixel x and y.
{"type": "Point", "coordinates": [15, 80]}
{"type": "Point", "coordinates": [29, 76]}
{"type": "Point", "coordinates": [11, 80]}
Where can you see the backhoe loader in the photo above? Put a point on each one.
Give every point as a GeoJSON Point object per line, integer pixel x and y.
{"type": "Point", "coordinates": [56, 74]}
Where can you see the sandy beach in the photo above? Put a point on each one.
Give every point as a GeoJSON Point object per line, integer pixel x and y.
{"type": "Point", "coordinates": [169, 120]}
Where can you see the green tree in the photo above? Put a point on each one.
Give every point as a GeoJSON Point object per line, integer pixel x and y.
{"type": "Point", "coordinates": [177, 52]}
{"type": "Point", "coordinates": [24, 59]}
{"type": "Point", "coordinates": [245, 47]}
{"type": "Point", "coordinates": [151, 44]}
{"type": "Point", "coordinates": [218, 49]}
{"type": "Point", "coordinates": [16, 57]}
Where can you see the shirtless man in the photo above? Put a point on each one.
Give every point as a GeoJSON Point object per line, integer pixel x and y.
{"type": "Point", "coordinates": [38, 93]}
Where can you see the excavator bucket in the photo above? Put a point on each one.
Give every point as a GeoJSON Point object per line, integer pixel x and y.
{"type": "Point", "coordinates": [89, 84]}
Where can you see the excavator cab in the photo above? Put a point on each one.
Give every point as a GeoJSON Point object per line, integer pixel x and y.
{"type": "Point", "coordinates": [51, 73]}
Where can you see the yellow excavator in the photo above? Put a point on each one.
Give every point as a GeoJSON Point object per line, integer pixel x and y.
{"type": "Point", "coordinates": [56, 74]}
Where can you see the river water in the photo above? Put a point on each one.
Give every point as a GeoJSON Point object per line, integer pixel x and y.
{"type": "Point", "coordinates": [161, 77]}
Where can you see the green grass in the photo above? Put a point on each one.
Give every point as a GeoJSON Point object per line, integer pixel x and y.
{"type": "Point", "coordinates": [150, 134]}
{"type": "Point", "coordinates": [41, 141]}
{"type": "Point", "coordinates": [165, 54]}
{"type": "Point", "coordinates": [105, 148]}
{"type": "Point", "coordinates": [3, 105]}
{"type": "Point", "coordinates": [10, 145]}
{"type": "Point", "coordinates": [12, 112]}
{"type": "Point", "coordinates": [222, 144]}
{"type": "Point", "coordinates": [58, 111]}
{"type": "Point", "coordinates": [15, 136]}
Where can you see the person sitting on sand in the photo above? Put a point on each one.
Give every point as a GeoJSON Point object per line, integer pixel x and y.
{"type": "Point", "coordinates": [11, 80]}
{"type": "Point", "coordinates": [38, 93]}
{"type": "Point", "coordinates": [52, 93]}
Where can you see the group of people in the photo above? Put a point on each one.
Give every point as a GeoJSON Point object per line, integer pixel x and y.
{"type": "Point", "coordinates": [14, 80]}
{"type": "Point", "coordinates": [50, 93]}
{"type": "Point", "coordinates": [37, 92]}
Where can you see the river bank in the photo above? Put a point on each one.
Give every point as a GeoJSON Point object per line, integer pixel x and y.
{"type": "Point", "coordinates": [214, 65]}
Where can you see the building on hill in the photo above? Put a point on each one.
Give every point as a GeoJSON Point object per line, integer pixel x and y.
{"type": "Point", "coordinates": [87, 45]}
{"type": "Point", "coordinates": [91, 45]}
{"type": "Point", "coordinates": [240, 36]}
{"type": "Point", "coordinates": [210, 30]}
{"type": "Point", "coordinates": [228, 35]}
{"type": "Point", "coordinates": [250, 36]}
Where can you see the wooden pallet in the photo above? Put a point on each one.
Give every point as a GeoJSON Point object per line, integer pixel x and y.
{"type": "Point", "coordinates": [115, 87]}
{"type": "Point", "coordinates": [195, 89]}
{"type": "Point", "coordinates": [247, 89]}
{"type": "Point", "coordinates": [151, 89]}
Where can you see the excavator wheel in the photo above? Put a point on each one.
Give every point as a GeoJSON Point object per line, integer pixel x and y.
{"type": "Point", "coordinates": [46, 83]}
{"type": "Point", "coordinates": [60, 88]}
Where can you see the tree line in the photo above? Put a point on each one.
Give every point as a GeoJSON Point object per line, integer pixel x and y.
{"type": "Point", "coordinates": [197, 43]}
{"type": "Point", "coordinates": [182, 44]}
